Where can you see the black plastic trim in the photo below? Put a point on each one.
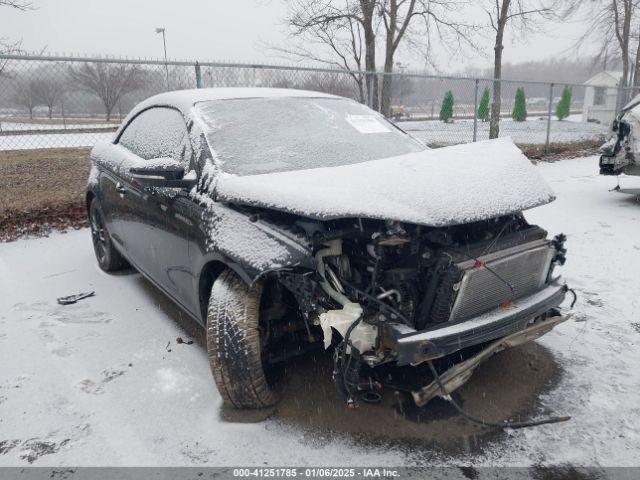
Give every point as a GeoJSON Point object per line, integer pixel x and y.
{"type": "Point", "coordinates": [420, 349]}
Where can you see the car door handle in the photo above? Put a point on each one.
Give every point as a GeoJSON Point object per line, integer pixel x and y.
{"type": "Point", "coordinates": [120, 189]}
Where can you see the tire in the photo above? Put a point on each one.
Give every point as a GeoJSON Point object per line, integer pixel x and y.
{"type": "Point", "coordinates": [109, 259]}
{"type": "Point", "coordinates": [233, 344]}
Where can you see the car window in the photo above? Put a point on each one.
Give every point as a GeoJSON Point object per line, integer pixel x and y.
{"type": "Point", "coordinates": [265, 135]}
{"type": "Point", "coordinates": [158, 133]}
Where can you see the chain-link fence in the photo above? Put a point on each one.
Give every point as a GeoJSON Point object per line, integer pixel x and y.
{"type": "Point", "coordinates": [58, 102]}
{"type": "Point", "coordinates": [419, 105]}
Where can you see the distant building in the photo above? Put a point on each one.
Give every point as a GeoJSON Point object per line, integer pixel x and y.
{"type": "Point", "coordinates": [601, 97]}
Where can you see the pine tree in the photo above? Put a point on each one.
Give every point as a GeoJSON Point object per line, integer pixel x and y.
{"type": "Point", "coordinates": [446, 111]}
{"type": "Point", "coordinates": [519, 113]}
{"type": "Point", "coordinates": [563, 109]}
{"type": "Point", "coordinates": [483, 108]}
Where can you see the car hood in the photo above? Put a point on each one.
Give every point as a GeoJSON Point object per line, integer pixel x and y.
{"type": "Point", "coordinates": [440, 187]}
{"type": "Point", "coordinates": [635, 101]}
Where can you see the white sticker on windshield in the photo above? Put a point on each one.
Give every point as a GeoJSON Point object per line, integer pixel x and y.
{"type": "Point", "coordinates": [367, 124]}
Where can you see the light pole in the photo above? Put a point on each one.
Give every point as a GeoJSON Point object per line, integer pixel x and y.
{"type": "Point", "coordinates": [164, 43]}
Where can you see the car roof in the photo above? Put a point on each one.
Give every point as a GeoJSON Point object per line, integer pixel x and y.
{"type": "Point", "coordinates": [185, 99]}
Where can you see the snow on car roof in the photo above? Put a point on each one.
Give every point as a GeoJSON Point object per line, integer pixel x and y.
{"type": "Point", "coordinates": [185, 99]}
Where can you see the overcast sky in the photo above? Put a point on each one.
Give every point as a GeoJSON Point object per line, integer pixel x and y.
{"type": "Point", "coordinates": [208, 29]}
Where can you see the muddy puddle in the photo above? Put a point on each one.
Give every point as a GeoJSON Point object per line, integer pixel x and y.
{"type": "Point", "coordinates": [507, 386]}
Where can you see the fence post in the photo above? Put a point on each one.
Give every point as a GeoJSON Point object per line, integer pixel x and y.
{"type": "Point", "coordinates": [198, 76]}
{"type": "Point", "coordinates": [370, 84]}
{"type": "Point", "coordinates": [546, 144]}
{"type": "Point", "coordinates": [475, 111]}
{"type": "Point", "coordinates": [64, 120]}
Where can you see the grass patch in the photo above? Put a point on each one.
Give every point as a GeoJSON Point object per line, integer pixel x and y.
{"type": "Point", "coordinates": [559, 151]}
{"type": "Point", "coordinates": [42, 189]}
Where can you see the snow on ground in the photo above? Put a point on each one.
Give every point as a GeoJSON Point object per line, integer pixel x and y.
{"type": "Point", "coordinates": [533, 131]}
{"type": "Point", "coordinates": [574, 117]}
{"type": "Point", "coordinates": [93, 383]}
{"type": "Point", "coordinates": [599, 348]}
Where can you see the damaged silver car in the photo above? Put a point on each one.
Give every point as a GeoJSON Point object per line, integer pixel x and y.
{"type": "Point", "coordinates": [620, 154]}
{"type": "Point", "coordinates": [288, 222]}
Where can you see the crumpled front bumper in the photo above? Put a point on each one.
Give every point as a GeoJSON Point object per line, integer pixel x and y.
{"type": "Point", "coordinates": [414, 347]}
{"type": "Point", "coordinates": [612, 164]}
{"type": "Point", "coordinates": [457, 375]}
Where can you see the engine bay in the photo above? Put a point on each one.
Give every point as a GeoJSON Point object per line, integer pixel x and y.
{"type": "Point", "coordinates": [375, 281]}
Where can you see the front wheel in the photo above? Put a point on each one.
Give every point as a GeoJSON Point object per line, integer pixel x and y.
{"type": "Point", "coordinates": [234, 346]}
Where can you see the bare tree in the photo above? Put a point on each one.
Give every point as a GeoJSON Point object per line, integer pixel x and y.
{"type": "Point", "coordinates": [17, 4]}
{"type": "Point", "coordinates": [48, 92]}
{"type": "Point", "coordinates": [340, 44]}
{"type": "Point", "coordinates": [345, 26]}
{"type": "Point", "coordinates": [398, 20]}
{"type": "Point", "coordinates": [395, 23]}
{"type": "Point", "coordinates": [8, 48]}
{"type": "Point", "coordinates": [25, 95]}
{"type": "Point", "coordinates": [611, 23]}
{"type": "Point", "coordinates": [622, 12]}
{"type": "Point", "coordinates": [417, 18]}
{"type": "Point", "coordinates": [108, 81]}
{"type": "Point", "coordinates": [517, 14]}
{"type": "Point", "coordinates": [636, 70]}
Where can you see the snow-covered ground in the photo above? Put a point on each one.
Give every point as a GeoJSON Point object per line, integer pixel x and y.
{"type": "Point", "coordinates": [94, 383]}
{"type": "Point", "coordinates": [599, 349]}
{"type": "Point", "coordinates": [533, 131]}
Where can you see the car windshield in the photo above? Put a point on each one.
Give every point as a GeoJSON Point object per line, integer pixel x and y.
{"type": "Point", "coordinates": [265, 135]}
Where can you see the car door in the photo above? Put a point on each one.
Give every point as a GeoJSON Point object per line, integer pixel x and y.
{"type": "Point", "coordinates": [170, 230]}
{"type": "Point", "coordinates": [130, 215]}
{"type": "Point", "coordinates": [110, 189]}
{"type": "Point", "coordinates": [154, 244]}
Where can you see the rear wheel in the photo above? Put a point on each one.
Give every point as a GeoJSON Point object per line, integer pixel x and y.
{"type": "Point", "coordinates": [109, 259]}
{"type": "Point", "coordinates": [234, 344]}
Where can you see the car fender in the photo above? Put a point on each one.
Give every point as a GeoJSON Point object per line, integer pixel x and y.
{"type": "Point", "coordinates": [249, 245]}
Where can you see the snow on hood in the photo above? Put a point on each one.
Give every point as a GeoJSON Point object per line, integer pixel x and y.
{"type": "Point", "coordinates": [440, 187]}
{"type": "Point", "coordinates": [632, 103]}
{"type": "Point", "coordinates": [632, 114]}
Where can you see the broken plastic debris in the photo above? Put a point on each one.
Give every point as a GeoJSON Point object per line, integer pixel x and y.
{"type": "Point", "coordinates": [74, 298]}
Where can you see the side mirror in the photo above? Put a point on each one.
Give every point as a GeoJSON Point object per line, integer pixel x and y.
{"type": "Point", "coordinates": [162, 172]}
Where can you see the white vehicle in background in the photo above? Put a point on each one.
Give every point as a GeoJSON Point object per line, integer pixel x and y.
{"type": "Point", "coordinates": [620, 154]}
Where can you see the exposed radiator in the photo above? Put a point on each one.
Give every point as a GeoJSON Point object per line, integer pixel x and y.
{"type": "Point", "coordinates": [524, 268]}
